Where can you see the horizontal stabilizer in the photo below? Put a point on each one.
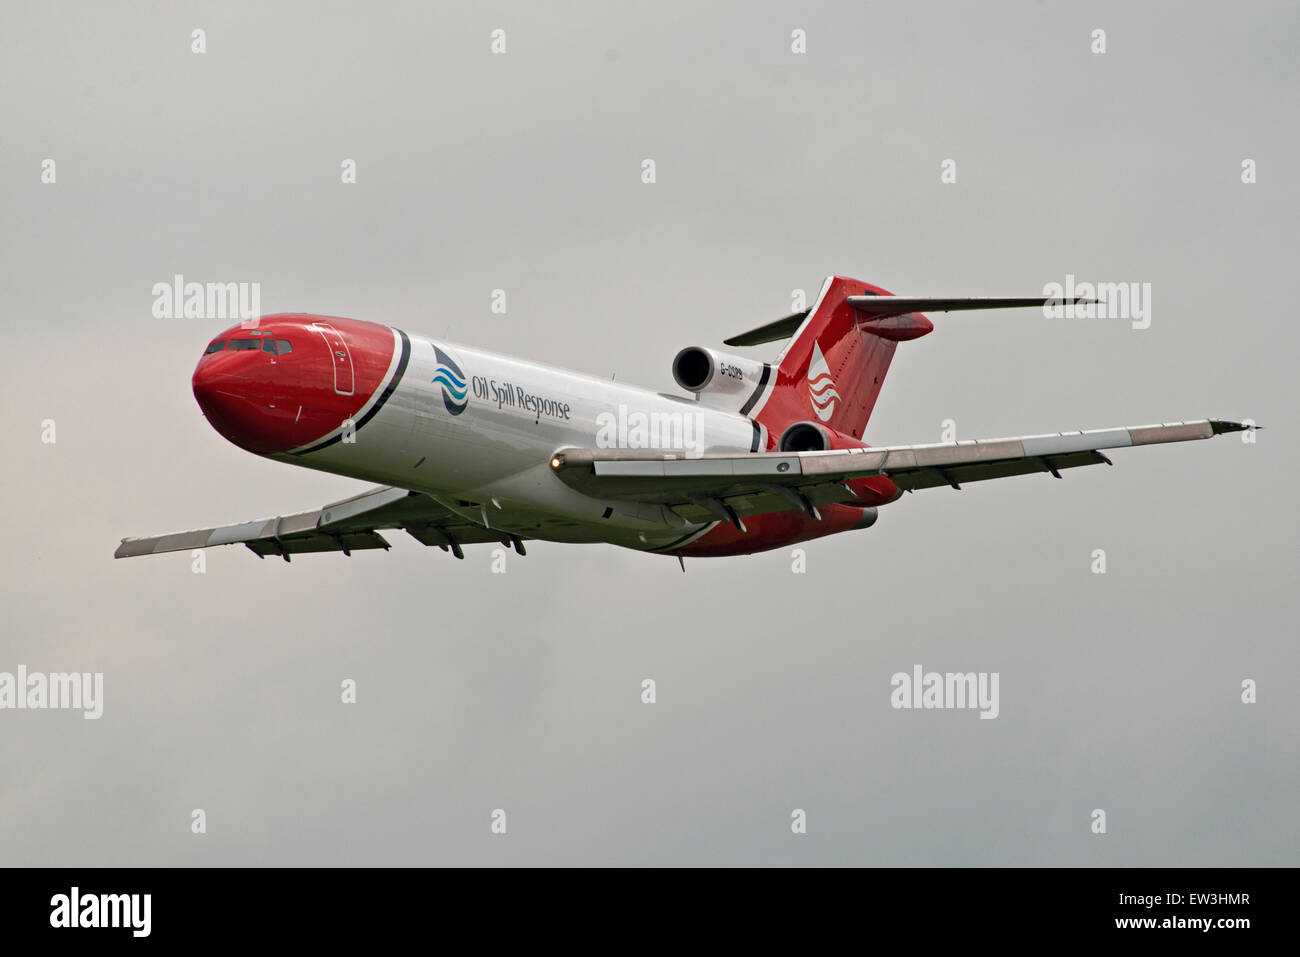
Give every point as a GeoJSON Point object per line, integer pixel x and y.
{"type": "Point", "coordinates": [883, 307]}
{"type": "Point", "coordinates": [780, 329]}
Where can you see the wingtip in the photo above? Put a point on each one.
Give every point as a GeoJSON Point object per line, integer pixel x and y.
{"type": "Point", "coordinates": [1220, 426]}
{"type": "Point", "coordinates": [125, 549]}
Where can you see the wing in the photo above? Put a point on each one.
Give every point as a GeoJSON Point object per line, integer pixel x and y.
{"type": "Point", "coordinates": [347, 526]}
{"type": "Point", "coordinates": [724, 486]}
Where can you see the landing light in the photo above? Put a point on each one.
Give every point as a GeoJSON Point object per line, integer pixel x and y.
{"type": "Point", "coordinates": [555, 462]}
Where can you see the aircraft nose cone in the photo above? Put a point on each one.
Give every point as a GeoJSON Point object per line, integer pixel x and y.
{"type": "Point", "coordinates": [228, 403]}
{"type": "Point", "coordinates": [212, 390]}
{"type": "Point", "coordinates": [204, 384]}
{"type": "Point", "coordinates": [298, 381]}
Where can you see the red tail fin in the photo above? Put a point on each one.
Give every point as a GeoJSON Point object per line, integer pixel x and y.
{"type": "Point", "coordinates": [833, 368]}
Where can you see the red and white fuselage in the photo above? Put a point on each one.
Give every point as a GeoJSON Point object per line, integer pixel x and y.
{"type": "Point", "coordinates": [473, 429]}
{"type": "Point", "coordinates": [469, 446]}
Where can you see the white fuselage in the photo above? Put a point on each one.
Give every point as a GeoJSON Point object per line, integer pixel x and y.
{"type": "Point", "coordinates": [491, 460]}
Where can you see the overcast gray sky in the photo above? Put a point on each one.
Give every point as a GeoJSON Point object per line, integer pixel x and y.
{"type": "Point", "coordinates": [521, 691]}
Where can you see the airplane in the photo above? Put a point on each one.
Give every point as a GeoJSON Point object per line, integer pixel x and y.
{"type": "Point", "coordinates": [470, 446]}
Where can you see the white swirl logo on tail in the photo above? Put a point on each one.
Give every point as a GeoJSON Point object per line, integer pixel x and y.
{"type": "Point", "coordinates": [821, 387]}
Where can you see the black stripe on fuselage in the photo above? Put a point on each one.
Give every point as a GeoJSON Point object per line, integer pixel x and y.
{"type": "Point", "coordinates": [762, 381]}
{"type": "Point", "coordinates": [374, 409]}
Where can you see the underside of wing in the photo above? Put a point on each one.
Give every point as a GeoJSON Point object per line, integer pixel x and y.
{"type": "Point", "coordinates": [715, 485]}
{"type": "Point", "coordinates": [352, 524]}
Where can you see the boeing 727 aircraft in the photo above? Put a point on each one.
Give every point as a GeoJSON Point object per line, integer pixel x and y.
{"type": "Point", "coordinates": [470, 446]}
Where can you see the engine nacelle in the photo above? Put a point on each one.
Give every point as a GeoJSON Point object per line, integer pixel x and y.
{"type": "Point", "coordinates": [868, 491]}
{"type": "Point", "coordinates": [814, 437]}
{"type": "Point", "coordinates": [717, 379]}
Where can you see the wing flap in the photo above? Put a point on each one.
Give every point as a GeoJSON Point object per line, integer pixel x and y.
{"type": "Point", "coordinates": [912, 479]}
{"type": "Point", "coordinates": [317, 542]}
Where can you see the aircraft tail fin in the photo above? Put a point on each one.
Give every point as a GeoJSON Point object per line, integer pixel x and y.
{"type": "Point", "coordinates": [834, 365]}
{"type": "Point", "coordinates": [833, 368]}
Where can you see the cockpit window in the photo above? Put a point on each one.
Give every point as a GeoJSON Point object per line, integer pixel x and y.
{"type": "Point", "coordinates": [283, 346]}
{"type": "Point", "coordinates": [237, 344]}
{"type": "Point", "coordinates": [215, 347]}
{"type": "Point", "coordinates": [268, 345]}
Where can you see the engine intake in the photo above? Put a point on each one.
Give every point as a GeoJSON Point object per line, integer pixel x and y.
{"type": "Point", "coordinates": [869, 491]}
{"type": "Point", "coordinates": [805, 437]}
{"type": "Point", "coordinates": [717, 379]}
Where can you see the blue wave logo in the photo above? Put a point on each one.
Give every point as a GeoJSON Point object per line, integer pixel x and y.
{"type": "Point", "coordinates": [455, 394]}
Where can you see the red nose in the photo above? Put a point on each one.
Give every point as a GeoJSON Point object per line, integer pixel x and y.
{"type": "Point", "coordinates": [294, 381]}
